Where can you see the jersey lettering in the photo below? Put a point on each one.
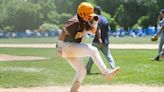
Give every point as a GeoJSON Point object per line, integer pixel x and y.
{"type": "Point", "coordinates": [79, 35]}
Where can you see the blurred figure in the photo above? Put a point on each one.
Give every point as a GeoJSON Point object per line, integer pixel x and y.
{"type": "Point", "coordinates": [101, 40]}
{"type": "Point", "coordinates": [131, 32]}
{"type": "Point", "coordinates": [140, 32]}
{"type": "Point", "coordinates": [151, 30]}
{"type": "Point", "coordinates": [160, 21]}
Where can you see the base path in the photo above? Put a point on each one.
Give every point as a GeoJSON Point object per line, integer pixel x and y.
{"type": "Point", "coordinates": [112, 46]}
{"type": "Point", "coordinates": [6, 57]}
{"type": "Point", "coordinates": [87, 88]}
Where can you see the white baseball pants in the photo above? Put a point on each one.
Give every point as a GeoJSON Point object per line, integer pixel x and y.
{"type": "Point", "coordinates": [74, 53]}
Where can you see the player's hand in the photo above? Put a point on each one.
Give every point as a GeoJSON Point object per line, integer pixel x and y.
{"type": "Point", "coordinates": [154, 38]}
{"type": "Point", "coordinates": [59, 52]}
{"type": "Point", "coordinates": [59, 46]}
{"type": "Point", "coordinates": [95, 24]}
{"type": "Point", "coordinates": [95, 18]}
{"type": "Point", "coordinates": [100, 43]}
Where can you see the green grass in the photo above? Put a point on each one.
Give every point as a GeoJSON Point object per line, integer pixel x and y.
{"type": "Point", "coordinates": [45, 40]}
{"type": "Point", "coordinates": [51, 40]}
{"type": "Point", "coordinates": [136, 68]}
{"type": "Point", "coordinates": [131, 40]}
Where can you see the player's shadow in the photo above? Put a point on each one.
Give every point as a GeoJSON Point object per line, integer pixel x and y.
{"type": "Point", "coordinates": [93, 73]}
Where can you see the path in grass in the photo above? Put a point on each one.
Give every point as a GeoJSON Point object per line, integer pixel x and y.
{"type": "Point", "coordinates": [6, 57]}
{"type": "Point", "coordinates": [87, 88]}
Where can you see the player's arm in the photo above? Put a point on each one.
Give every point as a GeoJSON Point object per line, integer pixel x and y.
{"type": "Point", "coordinates": [94, 25]}
{"type": "Point", "coordinates": [61, 37]}
{"type": "Point", "coordinates": [59, 44]}
{"type": "Point", "coordinates": [155, 37]}
{"type": "Point", "coordinates": [158, 22]}
{"type": "Point", "coordinates": [162, 29]}
{"type": "Point", "coordinates": [65, 31]}
{"type": "Point", "coordinates": [99, 35]}
{"type": "Point", "coordinates": [91, 27]}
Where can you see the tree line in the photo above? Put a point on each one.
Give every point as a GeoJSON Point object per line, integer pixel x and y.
{"type": "Point", "coordinates": [19, 15]}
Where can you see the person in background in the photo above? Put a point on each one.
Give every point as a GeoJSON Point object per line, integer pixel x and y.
{"type": "Point", "coordinates": [101, 40]}
{"type": "Point", "coordinates": [160, 21]}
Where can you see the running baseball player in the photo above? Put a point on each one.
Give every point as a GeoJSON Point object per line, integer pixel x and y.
{"type": "Point", "coordinates": [160, 21]}
{"type": "Point", "coordinates": [69, 44]}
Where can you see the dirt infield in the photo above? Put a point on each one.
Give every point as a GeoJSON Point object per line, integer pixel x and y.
{"type": "Point", "coordinates": [112, 46]}
{"type": "Point", "coordinates": [5, 57]}
{"type": "Point", "coordinates": [87, 88]}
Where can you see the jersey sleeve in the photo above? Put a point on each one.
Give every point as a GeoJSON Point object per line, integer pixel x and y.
{"type": "Point", "coordinates": [69, 26]}
{"type": "Point", "coordinates": [88, 26]}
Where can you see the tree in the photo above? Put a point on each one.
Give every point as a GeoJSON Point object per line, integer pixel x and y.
{"type": "Point", "coordinates": [19, 15]}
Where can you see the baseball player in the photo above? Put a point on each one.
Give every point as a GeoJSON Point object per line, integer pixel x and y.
{"type": "Point", "coordinates": [69, 44]}
{"type": "Point", "coordinates": [101, 40]}
{"type": "Point", "coordinates": [160, 21]}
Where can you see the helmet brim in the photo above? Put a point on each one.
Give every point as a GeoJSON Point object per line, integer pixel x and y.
{"type": "Point", "coordinates": [93, 14]}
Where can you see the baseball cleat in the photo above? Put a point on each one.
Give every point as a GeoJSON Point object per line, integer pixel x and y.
{"type": "Point", "coordinates": [75, 86]}
{"type": "Point", "coordinates": [161, 56]}
{"type": "Point", "coordinates": [112, 73]}
{"type": "Point", "coordinates": [156, 58]}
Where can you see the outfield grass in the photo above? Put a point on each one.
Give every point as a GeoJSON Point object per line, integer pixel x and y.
{"type": "Point", "coordinates": [51, 40]}
{"type": "Point", "coordinates": [44, 40]}
{"type": "Point", "coordinates": [136, 68]}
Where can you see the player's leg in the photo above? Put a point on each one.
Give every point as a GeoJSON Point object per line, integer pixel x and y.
{"type": "Point", "coordinates": [161, 42]}
{"type": "Point", "coordinates": [106, 51]}
{"type": "Point", "coordinates": [161, 55]}
{"type": "Point", "coordinates": [90, 62]}
{"type": "Point", "coordinates": [89, 65]}
{"type": "Point", "coordinates": [84, 50]}
{"type": "Point", "coordinates": [78, 66]}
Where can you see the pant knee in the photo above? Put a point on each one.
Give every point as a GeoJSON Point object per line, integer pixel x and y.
{"type": "Point", "coordinates": [82, 72]}
{"type": "Point", "coordinates": [93, 50]}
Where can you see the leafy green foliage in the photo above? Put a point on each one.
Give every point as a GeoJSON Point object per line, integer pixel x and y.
{"type": "Point", "coordinates": [47, 26]}
{"type": "Point", "coordinates": [140, 22]}
{"type": "Point", "coordinates": [19, 15]}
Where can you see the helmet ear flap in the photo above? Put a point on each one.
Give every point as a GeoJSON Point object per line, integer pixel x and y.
{"type": "Point", "coordinates": [81, 14]}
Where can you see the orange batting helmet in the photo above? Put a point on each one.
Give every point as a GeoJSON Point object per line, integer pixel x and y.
{"type": "Point", "coordinates": [85, 9]}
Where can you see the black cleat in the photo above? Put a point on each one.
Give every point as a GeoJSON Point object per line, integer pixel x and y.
{"type": "Point", "coordinates": [88, 72]}
{"type": "Point", "coordinates": [156, 59]}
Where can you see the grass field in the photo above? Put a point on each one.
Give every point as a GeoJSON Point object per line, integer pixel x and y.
{"type": "Point", "coordinates": [51, 40]}
{"type": "Point", "coordinates": [136, 68]}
